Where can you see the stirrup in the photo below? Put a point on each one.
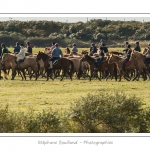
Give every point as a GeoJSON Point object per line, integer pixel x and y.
{"type": "Point", "coordinates": [95, 69]}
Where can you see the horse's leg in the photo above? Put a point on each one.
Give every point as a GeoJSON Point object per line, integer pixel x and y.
{"type": "Point", "coordinates": [108, 76]}
{"type": "Point", "coordinates": [90, 76]}
{"type": "Point", "coordinates": [36, 74]}
{"type": "Point", "coordinates": [144, 75]}
{"type": "Point", "coordinates": [98, 76]}
{"type": "Point", "coordinates": [70, 75]}
{"type": "Point", "coordinates": [64, 73]}
{"type": "Point", "coordinates": [13, 73]}
{"type": "Point", "coordinates": [148, 74]}
{"type": "Point", "coordinates": [30, 73]}
{"type": "Point", "coordinates": [136, 76]}
{"type": "Point", "coordinates": [120, 75]}
{"type": "Point", "coordinates": [47, 70]}
{"type": "Point", "coordinates": [24, 76]}
{"type": "Point", "coordinates": [5, 73]}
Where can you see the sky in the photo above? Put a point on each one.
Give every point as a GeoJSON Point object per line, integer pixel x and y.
{"type": "Point", "coordinates": [75, 19]}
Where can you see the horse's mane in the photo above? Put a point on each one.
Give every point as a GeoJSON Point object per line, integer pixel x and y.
{"type": "Point", "coordinates": [84, 52]}
{"type": "Point", "coordinates": [116, 53]}
{"type": "Point", "coordinates": [119, 57]}
{"type": "Point", "coordinates": [90, 58]}
{"type": "Point", "coordinates": [44, 54]}
{"type": "Point", "coordinates": [10, 54]}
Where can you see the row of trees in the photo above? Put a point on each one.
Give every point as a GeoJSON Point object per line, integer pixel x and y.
{"type": "Point", "coordinates": [41, 33]}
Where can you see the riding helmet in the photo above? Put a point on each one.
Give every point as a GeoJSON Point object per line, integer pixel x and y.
{"type": "Point", "coordinates": [56, 44]}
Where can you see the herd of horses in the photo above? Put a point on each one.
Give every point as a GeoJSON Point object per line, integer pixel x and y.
{"type": "Point", "coordinates": [77, 65]}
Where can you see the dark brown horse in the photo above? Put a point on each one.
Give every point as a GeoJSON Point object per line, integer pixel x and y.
{"type": "Point", "coordinates": [103, 66]}
{"type": "Point", "coordinates": [63, 63]}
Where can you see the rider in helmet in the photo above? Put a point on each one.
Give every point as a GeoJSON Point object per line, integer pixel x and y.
{"type": "Point", "coordinates": [56, 53]}
{"type": "Point", "coordinates": [17, 48]}
{"type": "Point", "coordinates": [147, 55]}
{"type": "Point", "coordinates": [129, 51]}
{"type": "Point", "coordinates": [126, 46]}
{"type": "Point", "coordinates": [20, 55]}
{"type": "Point", "coordinates": [100, 58]}
{"type": "Point", "coordinates": [74, 49]}
{"type": "Point", "coordinates": [29, 48]}
{"type": "Point", "coordinates": [4, 49]}
{"type": "Point", "coordinates": [137, 47]}
{"type": "Point", "coordinates": [103, 45]}
{"type": "Point", "coordinates": [93, 49]}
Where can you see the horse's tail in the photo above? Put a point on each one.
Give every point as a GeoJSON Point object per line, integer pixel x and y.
{"type": "Point", "coordinates": [72, 67]}
{"type": "Point", "coordinates": [115, 71]}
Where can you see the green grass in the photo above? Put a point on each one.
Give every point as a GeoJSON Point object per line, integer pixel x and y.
{"type": "Point", "coordinates": [36, 50]}
{"type": "Point", "coordinates": [42, 94]}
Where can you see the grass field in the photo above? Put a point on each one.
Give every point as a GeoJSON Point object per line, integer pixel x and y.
{"type": "Point", "coordinates": [41, 94]}
{"type": "Point", "coordinates": [36, 50]}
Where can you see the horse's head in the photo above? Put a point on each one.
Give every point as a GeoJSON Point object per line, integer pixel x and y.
{"type": "Point", "coordinates": [145, 50]}
{"type": "Point", "coordinates": [84, 52]}
{"type": "Point", "coordinates": [133, 55]}
{"type": "Point", "coordinates": [85, 57]}
{"type": "Point", "coordinates": [136, 55]}
{"type": "Point", "coordinates": [4, 58]}
{"type": "Point", "coordinates": [39, 56]}
{"type": "Point", "coordinates": [111, 59]}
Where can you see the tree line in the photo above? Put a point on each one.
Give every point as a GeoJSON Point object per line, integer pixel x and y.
{"type": "Point", "coordinates": [42, 33]}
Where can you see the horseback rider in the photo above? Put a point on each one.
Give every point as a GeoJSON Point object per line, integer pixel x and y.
{"type": "Point", "coordinates": [56, 53]}
{"type": "Point", "coordinates": [103, 45]}
{"type": "Point", "coordinates": [74, 49]}
{"type": "Point", "coordinates": [29, 48]}
{"type": "Point", "coordinates": [17, 48]}
{"type": "Point", "coordinates": [67, 50]}
{"type": "Point", "coordinates": [100, 58]}
{"type": "Point", "coordinates": [53, 46]}
{"type": "Point", "coordinates": [21, 54]}
{"type": "Point", "coordinates": [126, 47]}
{"type": "Point", "coordinates": [4, 49]}
{"type": "Point", "coordinates": [147, 55]}
{"type": "Point", "coordinates": [129, 51]}
{"type": "Point", "coordinates": [93, 49]}
{"type": "Point", "coordinates": [137, 47]}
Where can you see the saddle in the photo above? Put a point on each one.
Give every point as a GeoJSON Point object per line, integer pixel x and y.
{"type": "Point", "coordinates": [128, 63]}
{"type": "Point", "coordinates": [21, 60]}
{"type": "Point", "coordinates": [100, 60]}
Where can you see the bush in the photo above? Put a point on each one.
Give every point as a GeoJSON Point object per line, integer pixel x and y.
{"type": "Point", "coordinates": [109, 112]}
{"type": "Point", "coordinates": [105, 112]}
{"type": "Point", "coordinates": [44, 122]}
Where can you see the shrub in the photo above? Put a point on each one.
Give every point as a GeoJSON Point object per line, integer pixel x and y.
{"type": "Point", "coordinates": [44, 122]}
{"type": "Point", "coordinates": [109, 112]}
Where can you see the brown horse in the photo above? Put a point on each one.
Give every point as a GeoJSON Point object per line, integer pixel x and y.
{"type": "Point", "coordinates": [103, 66]}
{"type": "Point", "coordinates": [63, 64]}
{"type": "Point", "coordinates": [9, 62]}
{"type": "Point", "coordinates": [119, 60]}
{"type": "Point", "coordinates": [139, 58]}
